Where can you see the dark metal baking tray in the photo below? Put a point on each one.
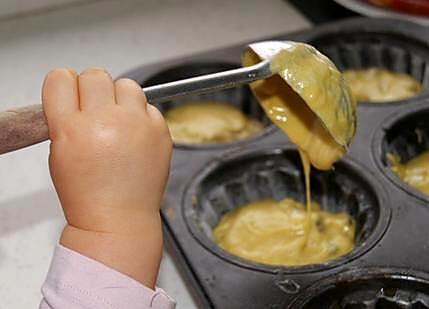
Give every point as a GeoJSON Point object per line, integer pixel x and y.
{"type": "Point", "coordinates": [390, 265]}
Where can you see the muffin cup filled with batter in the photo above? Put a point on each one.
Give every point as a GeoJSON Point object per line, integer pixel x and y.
{"type": "Point", "coordinates": [380, 67]}
{"type": "Point", "coordinates": [217, 118]}
{"type": "Point", "coordinates": [345, 213]}
{"type": "Point", "coordinates": [404, 153]}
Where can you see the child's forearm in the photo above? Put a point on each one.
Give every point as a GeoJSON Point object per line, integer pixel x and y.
{"type": "Point", "coordinates": [135, 252]}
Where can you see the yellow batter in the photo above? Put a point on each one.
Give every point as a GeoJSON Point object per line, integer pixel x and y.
{"type": "Point", "coordinates": [415, 172]}
{"type": "Point", "coordinates": [209, 122]}
{"type": "Point", "coordinates": [380, 85]}
{"type": "Point", "coordinates": [272, 232]}
{"type": "Point", "coordinates": [309, 100]}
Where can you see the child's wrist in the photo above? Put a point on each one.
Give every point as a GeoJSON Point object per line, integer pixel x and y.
{"type": "Point", "coordinates": [114, 220]}
{"type": "Point", "coordinates": [134, 250]}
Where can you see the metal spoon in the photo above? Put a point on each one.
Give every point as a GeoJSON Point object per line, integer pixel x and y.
{"type": "Point", "coordinates": [207, 83]}
{"type": "Point", "coordinates": [26, 126]}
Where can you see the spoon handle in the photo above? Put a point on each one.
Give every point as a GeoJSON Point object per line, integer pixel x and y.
{"type": "Point", "coordinates": [207, 83]}
{"type": "Point", "coordinates": [22, 127]}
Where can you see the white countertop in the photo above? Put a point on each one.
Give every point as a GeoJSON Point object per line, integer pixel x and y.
{"type": "Point", "coordinates": [117, 35]}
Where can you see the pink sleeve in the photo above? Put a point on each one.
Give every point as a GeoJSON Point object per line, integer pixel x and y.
{"type": "Point", "coordinates": [76, 281]}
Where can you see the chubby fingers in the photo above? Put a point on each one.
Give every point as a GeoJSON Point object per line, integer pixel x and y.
{"type": "Point", "coordinates": [65, 94]}
{"type": "Point", "coordinates": [60, 97]}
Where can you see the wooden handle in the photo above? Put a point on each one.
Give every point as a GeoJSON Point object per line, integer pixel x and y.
{"type": "Point", "coordinates": [22, 127]}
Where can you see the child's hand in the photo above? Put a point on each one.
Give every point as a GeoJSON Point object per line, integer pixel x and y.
{"type": "Point", "coordinates": [109, 161]}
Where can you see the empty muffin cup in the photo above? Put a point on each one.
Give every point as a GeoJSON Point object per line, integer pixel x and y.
{"type": "Point", "coordinates": [247, 177]}
{"type": "Point", "coordinates": [247, 108]}
{"type": "Point", "coordinates": [397, 53]}
{"type": "Point", "coordinates": [379, 288]}
{"type": "Point", "coordinates": [403, 138]}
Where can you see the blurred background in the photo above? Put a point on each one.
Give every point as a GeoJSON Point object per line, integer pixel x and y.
{"type": "Point", "coordinates": [38, 35]}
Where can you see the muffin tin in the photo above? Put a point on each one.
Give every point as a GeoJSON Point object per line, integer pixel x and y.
{"type": "Point", "coordinates": [389, 266]}
{"type": "Point", "coordinates": [276, 172]}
